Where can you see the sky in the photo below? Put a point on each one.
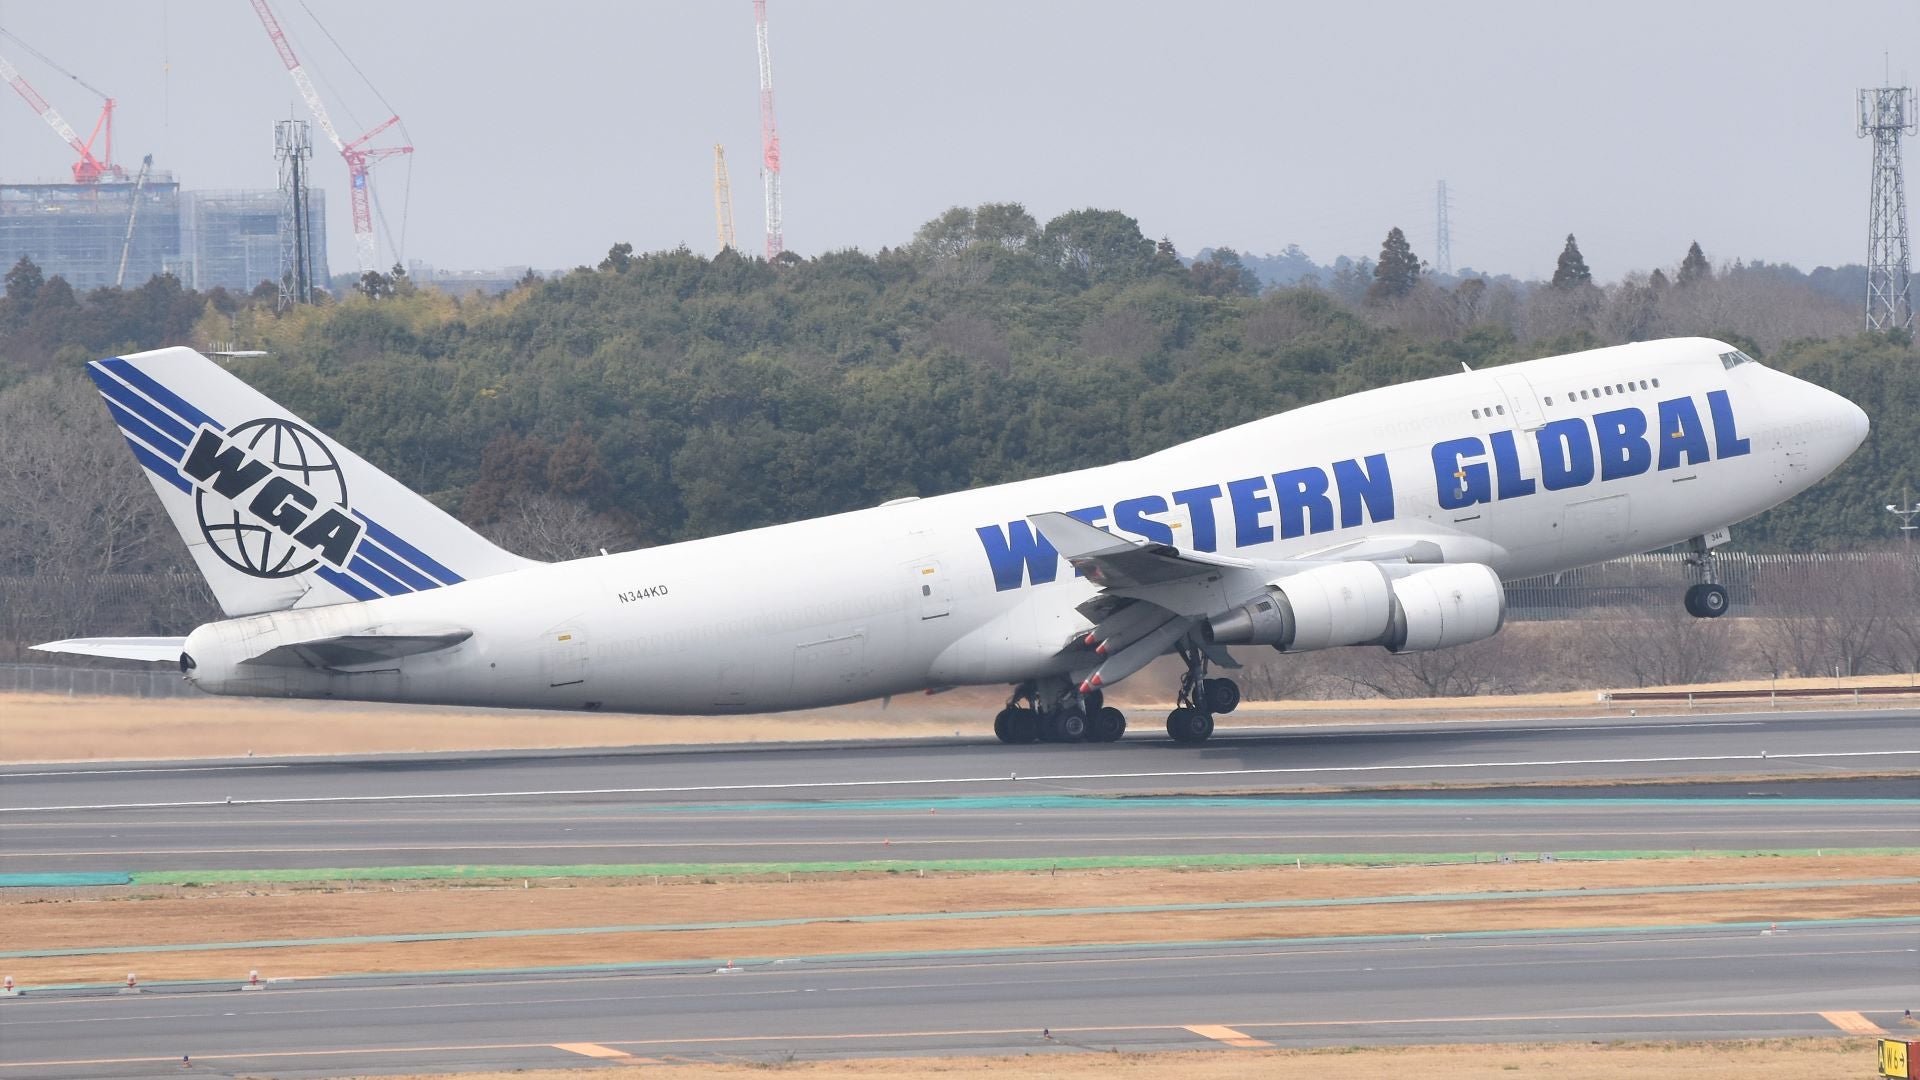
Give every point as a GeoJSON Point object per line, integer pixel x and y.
{"type": "Point", "coordinates": [545, 132]}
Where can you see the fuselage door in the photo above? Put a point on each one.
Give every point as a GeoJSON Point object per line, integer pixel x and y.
{"type": "Point", "coordinates": [563, 657]}
{"type": "Point", "coordinates": [1522, 403]}
{"type": "Point", "coordinates": [930, 581]}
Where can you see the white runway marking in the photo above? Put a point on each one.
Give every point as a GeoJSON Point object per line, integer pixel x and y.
{"type": "Point", "coordinates": [1012, 778]}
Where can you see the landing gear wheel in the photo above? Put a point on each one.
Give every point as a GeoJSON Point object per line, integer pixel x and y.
{"type": "Point", "coordinates": [1022, 726]}
{"type": "Point", "coordinates": [1107, 725]}
{"type": "Point", "coordinates": [1067, 725]}
{"type": "Point", "coordinates": [1222, 696]}
{"type": "Point", "coordinates": [1189, 725]}
{"type": "Point", "coordinates": [1707, 601]}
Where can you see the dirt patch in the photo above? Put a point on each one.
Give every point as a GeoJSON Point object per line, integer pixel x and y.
{"type": "Point", "coordinates": [1803, 1059]}
{"type": "Point", "coordinates": [48, 727]}
{"type": "Point", "coordinates": [237, 914]}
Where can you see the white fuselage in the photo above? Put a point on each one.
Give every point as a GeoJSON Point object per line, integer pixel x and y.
{"type": "Point", "coordinates": [1528, 468]}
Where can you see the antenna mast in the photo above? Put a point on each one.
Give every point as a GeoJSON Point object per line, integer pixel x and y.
{"type": "Point", "coordinates": [1887, 113]}
{"type": "Point", "coordinates": [769, 135]}
{"type": "Point", "coordinates": [358, 155]}
{"type": "Point", "coordinates": [722, 200]}
{"type": "Point", "coordinates": [1442, 232]}
{"type": "Point", "coordinates": [293, 146]}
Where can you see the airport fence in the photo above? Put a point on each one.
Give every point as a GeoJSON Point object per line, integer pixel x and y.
{"type": "Point", "coordinates": [1757, 584]}
{"type": "Point", "coordinates": [158, 682]}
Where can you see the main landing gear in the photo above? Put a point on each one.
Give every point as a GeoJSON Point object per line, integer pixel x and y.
{"type": "Point", "coordinates": [1201, 699]}
{"type": "Point", "coordinates": [1055, 711]}
{"type": "Point", "coordinates": [1708, 599]}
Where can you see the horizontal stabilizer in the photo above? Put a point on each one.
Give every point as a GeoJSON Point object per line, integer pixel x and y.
{"type": "Point", "coordinates": [1114, 562]}
{"type": "Point", "coordinates": [164, 649]}
{"type": "Point", "coordinates": [357, 650]}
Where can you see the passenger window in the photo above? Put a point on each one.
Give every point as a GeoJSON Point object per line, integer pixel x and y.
{"type": "Point", "coordinates": [1656, 384]}
{"type": "Point", "coordinates": [1501, 409]}
{"type": "Point", "coordinates": [1549, 399]}
{"type": "Point", "coordinates": [1476, 414]}
{"type": "Point", "coordinates": [1643, 384]}
{"type": "Point", "coordinates": [1608, 389]}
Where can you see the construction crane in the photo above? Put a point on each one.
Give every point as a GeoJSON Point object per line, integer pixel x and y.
{"type": "Point", "coordinates": [769, 135]}
{"type": "Point", "coordinates": [722, 199]}
{"type": "Point", "coordinates": [89, 169]}
{"type": "Point", "coordinates": [360, 157]}
{"type": "Point", "coordinates": [133, 214]}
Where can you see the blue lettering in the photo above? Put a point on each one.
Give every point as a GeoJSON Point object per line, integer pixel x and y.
{"type": "Point", "coordinates": [1248, 504]}
{"type": "Point", "coordinates": [1131, 515]}
{"type": "Point", "coordinates": [1013, 550]}
{"type": "Point", "coordinates": [1681, 433]}
{"type": "Point", "coordinates": [1372, 485]}
{"type": "Point", "coordinates": [1726, 439]}
{"type": "Point", "coordinates": [1199, 503]}
{"type": "Point", "coordinates": [1460, 483]}
{"type": "Point", "coordinates": [1302, 495]}
{"type": "Point", "coordinates": [1623, 443]}
{"type": "Point", "coordinates": [1506, 466]}
{"type": "Point", "coordinates": [1566, 454]}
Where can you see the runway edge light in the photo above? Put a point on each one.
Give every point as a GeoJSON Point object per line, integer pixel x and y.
{"type": "Point", "coordinates": [1897, 1059]}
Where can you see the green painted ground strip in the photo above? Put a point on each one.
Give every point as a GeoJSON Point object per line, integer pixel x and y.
{"type": "Point", "coordinates": [949, 916]}
{"type": "Point", "coordinates": [1079, 862]}
{"type": "Point", "coordinates": [1014, 952]}
{"type": "Point", "coordinates": [61, 881]}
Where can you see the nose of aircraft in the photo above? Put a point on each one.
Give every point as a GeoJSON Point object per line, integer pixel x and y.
{"type": "Point", "coordinates": [1853, 421]}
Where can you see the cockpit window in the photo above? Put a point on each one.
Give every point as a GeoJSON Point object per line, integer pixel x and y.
{"type": "Point", "coordinates": [1734, 359]}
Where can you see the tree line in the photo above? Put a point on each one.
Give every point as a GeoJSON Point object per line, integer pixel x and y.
{"type": "Point", "coordinates": [667, 395]}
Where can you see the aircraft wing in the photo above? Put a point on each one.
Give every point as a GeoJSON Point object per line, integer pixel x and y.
{"type": "Point", "coordinates": [119, 648]}
{"type": "Point", "coordinates": [357, 650]}
{"type": "Point", "coordinates": [1114, 562]}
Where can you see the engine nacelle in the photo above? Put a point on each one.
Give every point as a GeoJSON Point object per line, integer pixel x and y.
{"type": "Point", "coordinates": [1337, 604]}
{"type": "Point", "coordinates": [1445, 606]}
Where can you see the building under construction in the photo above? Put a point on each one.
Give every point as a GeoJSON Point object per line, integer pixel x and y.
{"type": "Point", "coordinates": [80, 231]}
{"type": "Point", "coordinates": [207, 239]}
{"type": "Point", "coordinates": [231, 239]}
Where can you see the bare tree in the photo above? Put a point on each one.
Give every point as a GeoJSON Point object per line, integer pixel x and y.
{"type": "Point", "coordinates": [541, 525]}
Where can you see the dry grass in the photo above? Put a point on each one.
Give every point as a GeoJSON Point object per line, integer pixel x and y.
{"type": "Point", "coordinates": [236, 914]}
{"type": "Point", "coordinates": [1801, 1059]}
{"type": "Point", "coordinates": [47, 727]}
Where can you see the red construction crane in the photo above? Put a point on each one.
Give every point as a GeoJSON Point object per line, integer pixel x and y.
{"type": "Point", "coordinates": [769, 136]}
{"type": "Point", "coordinates": [358, 155]}
{"type": "Point", "coordinates": [89, 169]}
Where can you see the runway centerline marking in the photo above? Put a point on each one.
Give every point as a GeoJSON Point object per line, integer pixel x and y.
{"type": "Point", "coordinates": [1219, 1033]}
{"type": "Point", "coordinates": [1853, 1023]}
{"type": "Point", "coordinates": [1012, 778]}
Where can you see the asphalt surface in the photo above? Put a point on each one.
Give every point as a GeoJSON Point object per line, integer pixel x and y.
{"type": "Point", "coordinates": [1697, 983]}
{"type": "Point", "coordinates": [1760, 781]}
{"type": "Point", "coordinates": [972, 800]}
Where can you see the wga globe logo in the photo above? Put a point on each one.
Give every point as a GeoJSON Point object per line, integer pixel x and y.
{"type": "Point", "coordinates": [271, 498]}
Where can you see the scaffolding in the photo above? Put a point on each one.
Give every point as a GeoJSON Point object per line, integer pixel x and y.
{"type": "Point", "coordinates": [79, 231]}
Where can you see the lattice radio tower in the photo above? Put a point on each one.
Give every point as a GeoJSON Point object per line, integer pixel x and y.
{"type": "Point", "coordinates": [1886, 114]}
{"type": "Point", "coordinates": [722, 201]}
{"type": "Point", "coordinates": [1442, 232]}
{"type": "Point", "coordinates": [293, 148]}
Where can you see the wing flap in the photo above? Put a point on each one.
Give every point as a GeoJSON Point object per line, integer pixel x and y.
{"type": "Point", "coordinates": [358, 650]}
{"type": "Point", "coordinates": [1114, 562]}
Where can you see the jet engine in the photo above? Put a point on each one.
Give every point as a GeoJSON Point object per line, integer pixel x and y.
{"type": "Point", "coordinates": [1445, 606]}
{"type": "Point", "coordinates": [1356, 603]}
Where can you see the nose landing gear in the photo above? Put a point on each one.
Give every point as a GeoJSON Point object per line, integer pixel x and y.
{"type": "Point", "coordinates": [1708, 599]}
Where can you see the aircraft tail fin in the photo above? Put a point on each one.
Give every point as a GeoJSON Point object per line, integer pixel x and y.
{"type": "Point", "coordinates": [276, 514]}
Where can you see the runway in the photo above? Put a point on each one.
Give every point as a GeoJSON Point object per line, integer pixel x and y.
{"type": "Point", "coordinates": [1678, 983]}
{"type": "Point", "coordinates": [1839, 781]}
{"type": "Point", "coordinates": [973, 800]}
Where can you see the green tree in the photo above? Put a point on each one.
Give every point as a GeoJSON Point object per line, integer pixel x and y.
{"type": "Point", "coordinates": [1398, 270]}
{"type": "Point", "coordinates": [1222, 273]}
{"type": "Point", "coordinates": [1571, 272]}
{"type": "Point", "coordinates": [1103, 245]}
{"type": "Point", "coordinates": [1694, 268]}
{"type": "Point", "coordinates": [24, 281]}
{"type": "Point", "coordinates": [619, 257]}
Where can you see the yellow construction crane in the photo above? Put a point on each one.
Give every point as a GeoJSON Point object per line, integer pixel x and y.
{"type": "Point", "coordinates": [722, 199]}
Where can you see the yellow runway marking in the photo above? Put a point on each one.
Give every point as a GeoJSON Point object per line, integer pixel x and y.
{"type": "Point", "coordinates": [1853, 1023]}
{"type": "Point", "coordinates": [595, 1050]}
{"type": "Point", "coordinates": [1227, 1035]}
